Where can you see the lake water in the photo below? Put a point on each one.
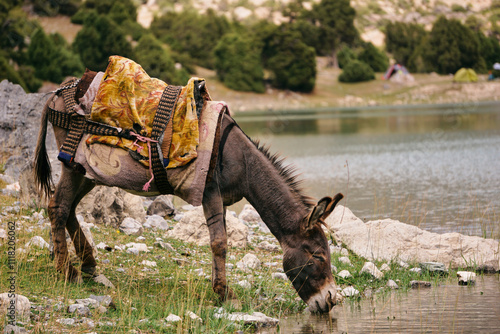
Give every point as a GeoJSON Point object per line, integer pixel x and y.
{"type": "Point", "coordinates": [448, 309]}
{"type": "Point", "coordinates": [435, 167]}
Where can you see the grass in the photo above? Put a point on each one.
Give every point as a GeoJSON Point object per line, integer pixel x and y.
{"type": "Point", "coordinates": [145, 296]}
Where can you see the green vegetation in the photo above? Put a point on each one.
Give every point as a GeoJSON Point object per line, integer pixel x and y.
{"type": "Point", "coordinates": [100, 38]}
{"type": "Point", "coordinates": [356, 71]}
{"type": "Point", "coordinates": [158, 62]}
{"type": "Point", "coordinates": [285, 53]}
{"type": "Point", "coordinates": [237, 62]}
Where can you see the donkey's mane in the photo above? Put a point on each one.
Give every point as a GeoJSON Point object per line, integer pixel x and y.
{"type": "Point", "coordinates": [288, 173]}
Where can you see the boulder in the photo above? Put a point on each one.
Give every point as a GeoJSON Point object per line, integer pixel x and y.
{"type": "Point", "coordinates": [20, 115]}
{"type": "Point", "coordinates": [193, 228]}
{"type": "Point", "coordinates": [110, 206]}
{"type": "Point", "coordinates": [130, 226]}
{"type": "Point", "coordinates": [156, 222]}
{"type": "Point", "coordinates": [371, 268]}
{"type": "Point", "coordinates": [22, 309]}
{"type": "Point", "coordinates": [387, 240]}
{"type": "Point", "coordinates": [161, 206]}
{"type": "Point", "coordinates": [249, 261]}
{"type": "Point", "coordinates": [38, 242]}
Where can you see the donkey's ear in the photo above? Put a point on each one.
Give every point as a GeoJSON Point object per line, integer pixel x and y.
{"type": "Point", "coordinates": [322, 210]}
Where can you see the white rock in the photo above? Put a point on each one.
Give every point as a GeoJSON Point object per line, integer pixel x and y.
{"type": "Point", "coordinates": [385, 268]}
{"type": "Point", "coordinates": [101, 245]}
{"type": "Point", "coordinates": [88, 302]}
{"type": "Point", "coordinates": [66, 321]}
{"type": "Point", "coordinates": [141, 247]}
{"type": "Point", "coordinates": [279, 276]}
{"type": "Point", "coordinates": [23, 305]}
{"type": "Point", "coordinates": [245, 284]}
{"type": "Point", "coordinates": [193, 228]}
{"type": "Point", "coordinates": [344, 274]}
{"type": "Point", "coordinates": [345, 260]}
{"type": "Point", "coordinates": [372, 269]}
{"type": "Point", "coordinates": [349, 292]}
{"type": "Point", "coordinates": [392, 285]}
{"type": "Point", "coordinates": [173, 318]}
{"type": "Point", "coordinates": [155, 221]}
{"type": "Point", "coordinates": [387, 240]}
{"type": "Point", "coordinates": [416, 270]}
{"type": "Point", "coordinates": [130, 226]}
{"type": "Point", "coordinates": [141, 238]}
{"type": "Point", "coordinates": [3, 234]}
{"type": "Point", "coordinates": [148, 263]}
{"type": "Point", "coordinates": [466, 277]}
{"type": "Point", "coordinates": [79, 309]}
{"type": "Point", "coordinates": [37, 241]}
{"type": "Point", "coordinates": [265, 245]}
{"type": "Point", "coordinates": [193, 316]}
{"type": "Point", "coordinates": [255, 317]}
{"type": "Point", "coordinates": [249, 261]}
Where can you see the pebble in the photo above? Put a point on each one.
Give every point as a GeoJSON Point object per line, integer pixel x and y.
{"type": "Point", "coordinates": [345, 260]}
{"type": "Point", "coordinates": [371, 268]}
{"type": "Point", "coordinates": [420, 284]}
{"type": "Point", "coordinates": [466, 278]}
{"type": "Point", "coordinates": [349, 292]}
{"type": "Point", "coordinates": [173, 318]}
{"type": "Point", "coordinates": [279, 276]}
{"type": "Point", "coordinates": [392, 284]}
{"type": "Point", "coordinates": [344, 274]}
{"type": "Point", "coordinates": [245, 284]}
{"type": "Point", "coordinates": [148, 263]}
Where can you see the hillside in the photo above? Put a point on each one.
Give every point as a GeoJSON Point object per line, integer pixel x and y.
{"type": "Point", "coordinates": [371, 16]}
{"type": "Point", "coordinates": [370, 19]}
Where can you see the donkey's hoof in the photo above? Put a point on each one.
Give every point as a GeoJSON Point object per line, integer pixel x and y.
{"type": "Point", "coordinates": [73, 276]}
{"type": "Point", "coordinates": [89, 270]}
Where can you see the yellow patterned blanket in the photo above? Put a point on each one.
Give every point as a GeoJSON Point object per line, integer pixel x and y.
{"type": "Point", "coordinates": [128, 98]}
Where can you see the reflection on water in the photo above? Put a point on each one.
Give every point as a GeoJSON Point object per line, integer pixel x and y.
{"type": "Point", "coordinates": [447, 309]}
{"type": "Point", "coordinates": [435, 168]}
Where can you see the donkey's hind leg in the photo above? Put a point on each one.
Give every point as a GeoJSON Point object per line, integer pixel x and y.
{"type": "Point", "coordinates": [82, 246]}
{"type": "Point", "coordinates": [59, 210]}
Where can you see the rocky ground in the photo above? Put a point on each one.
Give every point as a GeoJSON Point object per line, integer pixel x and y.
{"type": "Point", "coordinates": [154, 270]}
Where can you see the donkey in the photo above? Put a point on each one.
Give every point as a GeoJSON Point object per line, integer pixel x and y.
{"type": "Point", "coordinates": [245, 169]}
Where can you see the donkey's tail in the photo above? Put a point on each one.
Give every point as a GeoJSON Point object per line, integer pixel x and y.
{"type": "Point", "coordinates": [42, 169]}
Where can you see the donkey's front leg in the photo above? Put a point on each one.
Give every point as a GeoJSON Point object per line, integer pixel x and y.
{"type": "Point", "coordinates": [215, 214]}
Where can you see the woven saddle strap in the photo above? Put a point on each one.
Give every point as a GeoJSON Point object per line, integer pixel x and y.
{"type": "Point", "coordinates": [76, 122]}
{"type": "Point", "coordinates": [163, 120]}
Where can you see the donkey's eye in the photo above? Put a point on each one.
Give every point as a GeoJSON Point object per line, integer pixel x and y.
{"type": "Point", "coordinates": [319, 258]}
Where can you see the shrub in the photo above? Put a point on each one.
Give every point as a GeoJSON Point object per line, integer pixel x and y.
{"type": "Point", "coordinates": [345, 55]}
{"type": "Point", "coordinates": [291, 62]}
{"type": "Point", "coordinates": [100, 38]}
{"type": "Point", "coordinates": [377, 59]}
{"type": "Point", "coordinates": [157, 61]}
{"type": "Point", "coordinates": [357, 71]}
{"type": "Point", "coordinates": [237, 63]}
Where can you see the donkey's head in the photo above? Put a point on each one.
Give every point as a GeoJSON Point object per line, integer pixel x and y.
{"type": "Point", "coordinates": [306, 259]}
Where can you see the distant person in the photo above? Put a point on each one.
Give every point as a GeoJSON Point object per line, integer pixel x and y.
{"type": "Point", "coordinates": [490, 75]}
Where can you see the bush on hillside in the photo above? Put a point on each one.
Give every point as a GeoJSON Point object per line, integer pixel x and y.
{"type": "Point", "coordinates": [237, 62]}
{"type": "Point", "coordinates": [372, 56]}
{"type": "Point", "coordinates": [356, 71]}
{"type": "Point", "coordinates": [345, 55]}
{"type": "Point", "coordinates": [157, 61]}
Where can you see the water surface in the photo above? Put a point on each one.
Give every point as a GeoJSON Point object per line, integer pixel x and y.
{"type": "Point", "coordinates": [435, 167]}
{"type": "Point", "coordinates": [449, 308]}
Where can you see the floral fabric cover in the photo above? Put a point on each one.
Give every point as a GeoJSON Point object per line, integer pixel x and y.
{"type": "Point", "coordinates": [128, 98]}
